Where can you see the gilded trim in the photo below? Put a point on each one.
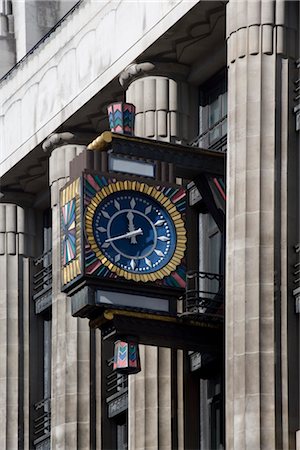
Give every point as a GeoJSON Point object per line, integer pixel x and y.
{"type": "Point", "coordinates": [160, 198]}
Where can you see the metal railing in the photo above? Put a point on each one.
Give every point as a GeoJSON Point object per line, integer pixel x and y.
{"type": "Point", "coordinates": [204, 296]}
{"type": "Point", "coordinates": [115, 382]}
{"type": "Point", "coordinates": [204, 140]}
{"type": "Point", "coordinates": [42, 278]}
{"type": "Point", "coordinates": [42, 422]}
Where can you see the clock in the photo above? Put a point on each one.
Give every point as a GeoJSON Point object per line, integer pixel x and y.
{"type": "Point", "coordinates": [135, 231]}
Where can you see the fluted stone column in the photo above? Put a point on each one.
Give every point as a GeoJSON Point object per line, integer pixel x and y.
{"type": "Point", "coordinates": [166, 105]}
{"type": "Point", "coordinates": [17, 229]}
{"type": "Point", "coordinates": [165, 110]}
{"type": "Point", "coordinates": [258, 77]}
{"type": "Point", "coordinates": [71, 337]}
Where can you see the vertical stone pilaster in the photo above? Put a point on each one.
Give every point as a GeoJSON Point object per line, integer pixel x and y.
{"type": "Point", "coordinates": [257, 85]}
{"type": "Point", "coordinates": [17, 228]}
{"type": "Point", "coordinates": [71, 351]}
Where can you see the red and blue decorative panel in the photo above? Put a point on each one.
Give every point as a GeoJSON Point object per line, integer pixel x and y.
{"type": "Point", "coordinates": [70, 231]}
{"type": "Point", "coordinates": [126, 357]}
{"type": "Point", "coordinates": [122, 230]}
{"type": "Point", "coordinates": [121, 117]}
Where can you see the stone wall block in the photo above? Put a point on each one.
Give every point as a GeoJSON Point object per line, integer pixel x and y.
{"type": "Point", "coordinates": [11, 243]}
{"type": "Point", "coordinates": [173, 123]}
{"type": "Point", "coordinates": [267, 11]}
{"type": "Point", "coordinates": [253, 12]}
{"type": "Point", "coordinates": [241, 14]}
{"type": "Point", "coordinates": [139, 125]}
{"type": "Point", "coordinates": [150, 124]}
{"type": "Point", "coordinates": [173, 95]}
{"type": "Point", "coordinates": [162, 94]}
{"type": "Point", "coordinates": [267, 39]}
{"type": "Point", "coordinates": [232, 48]}
{"type": "Point", "coordinates": [150, 94]}
{"type": "Point", "coordinates": [138, 95]}
{"type": "Point", "coordinates": [22, 244]}
{"type": "Point", "coordinates": [253, 39]}
{"type": "Point", "coordinates": [2, 218]}
{"type": "Point", "coordinates": [280, 12]}
{"type": "Point", "coordinates": [20, 220]}
{"type": "Point", "coordinates": [2, 243]}
{"type": "Point", "coordinates": [280, 40]}
{"type": "Point", "coordinates": [162, 123]}
{"type": "Point", "coordinates": [11, 218]}
{"type": "Point", "coordinates": [242, 42]}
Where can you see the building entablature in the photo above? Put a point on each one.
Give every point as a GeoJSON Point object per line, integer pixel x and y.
{"type": "Point", "coordinates": [88, 50]}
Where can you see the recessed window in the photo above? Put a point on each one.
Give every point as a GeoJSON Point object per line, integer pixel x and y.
{"type": "Point", "coordinates": [124, 165]}
{"type": "Point", "coordinates": [213, 114]}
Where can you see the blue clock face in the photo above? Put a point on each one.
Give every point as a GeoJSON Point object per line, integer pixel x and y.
{"type": "Point", "coordinates": [134, 232]}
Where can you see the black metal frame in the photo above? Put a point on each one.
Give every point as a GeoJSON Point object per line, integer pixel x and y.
{"type": "Point", "coordinates": [42, 422]}
{"type": "Point", "coordinates": [205, 304]}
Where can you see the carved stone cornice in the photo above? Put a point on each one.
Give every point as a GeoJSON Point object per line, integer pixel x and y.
{"type": "Point", "coordinates": [140, 70]}
{"type": "Point", "coordinates": [20, 198]}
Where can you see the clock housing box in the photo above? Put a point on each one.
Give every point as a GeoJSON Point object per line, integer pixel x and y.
{"type": "Point", "coordinates": [122, 234]}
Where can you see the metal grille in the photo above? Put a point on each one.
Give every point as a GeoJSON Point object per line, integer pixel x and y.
{"type": "Point", "coordinates": [116, 391]}
{"type": "Point", "coordinates": [42, 279]}
{"type": "Point", "coordinates": [202, 140]}
{"type": "Point", "coordinates": [204, 296]}
{"type": "Point", "coordinates": [115, 382]}
{"type": "Point", "coordinates": [42, 423]}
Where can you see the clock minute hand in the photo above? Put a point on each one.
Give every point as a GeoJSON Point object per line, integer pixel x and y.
{"type": "Point", "coordinates": [126, 235]}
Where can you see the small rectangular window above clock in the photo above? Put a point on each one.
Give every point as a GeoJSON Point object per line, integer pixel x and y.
{"type": "Point", "coordinates": [133, 167]}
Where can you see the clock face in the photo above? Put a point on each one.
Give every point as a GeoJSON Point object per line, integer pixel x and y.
{"type": "Point", "coordinates": [137, 235]}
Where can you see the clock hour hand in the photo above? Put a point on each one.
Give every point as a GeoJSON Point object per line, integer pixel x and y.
{"type": "Point", "coordinates": [131, 227]}
{"type": "Point", "coordinates": [128, 235]}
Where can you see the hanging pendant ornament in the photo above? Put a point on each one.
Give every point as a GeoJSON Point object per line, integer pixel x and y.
{"type": "Point", "coordinates": [126, 357]}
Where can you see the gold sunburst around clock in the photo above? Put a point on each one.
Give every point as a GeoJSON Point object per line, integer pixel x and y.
{"type": "Point", "coordinates": [135, 230]}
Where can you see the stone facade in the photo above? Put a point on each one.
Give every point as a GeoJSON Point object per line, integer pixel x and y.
{"type": "Point", "coordinates": [164, 58]}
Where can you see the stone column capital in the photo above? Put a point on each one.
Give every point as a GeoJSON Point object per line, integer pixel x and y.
{"type": "Point", "coordinates": [56, 140]}
{"type": "Point", "coordinates": [140, 70]}
{"type": "Point", "coordinates": [255, 27]}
